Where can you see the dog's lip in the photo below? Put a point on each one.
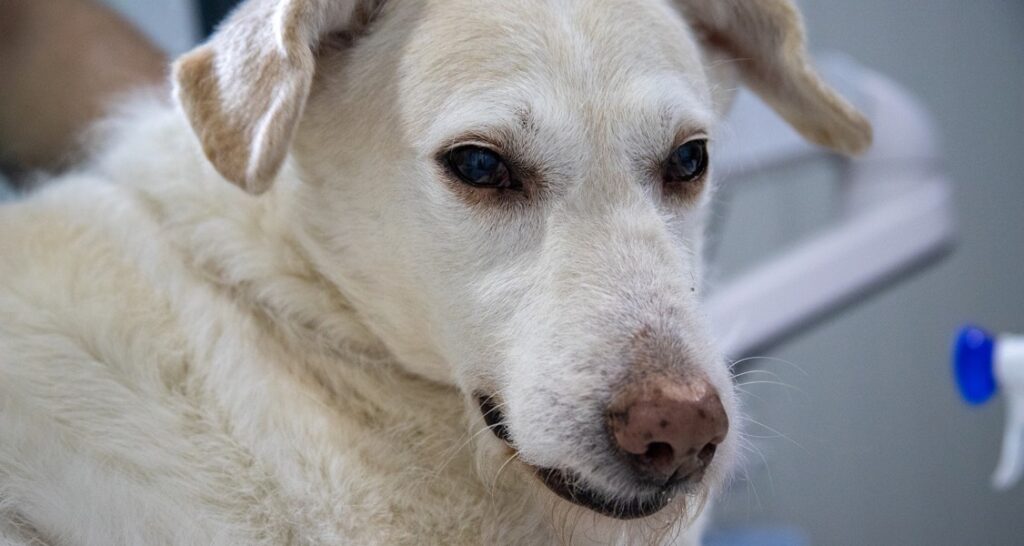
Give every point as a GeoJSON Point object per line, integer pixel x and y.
{"type": "Point", "coordinates": [494, 418]}
{"type": "Point", "coordinates": [568, 486]}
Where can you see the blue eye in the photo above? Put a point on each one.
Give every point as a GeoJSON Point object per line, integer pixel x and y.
{"type": "Point", "coordinates": [481, 167]}
{"type": "Point", "coordinates": [688, 162]}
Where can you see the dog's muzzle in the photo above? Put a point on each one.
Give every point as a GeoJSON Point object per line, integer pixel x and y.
{"type": "Point", "coordinates": [664, 436]}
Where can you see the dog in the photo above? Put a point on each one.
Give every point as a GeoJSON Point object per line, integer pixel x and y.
{"type": "Point", "coordinates": [393, 272]}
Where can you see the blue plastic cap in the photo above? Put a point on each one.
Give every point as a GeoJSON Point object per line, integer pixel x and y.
{"type": "Point", "coordinates": [973, 366]}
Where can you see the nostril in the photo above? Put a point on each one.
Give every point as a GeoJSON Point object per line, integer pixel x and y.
{"type": "Point", "coordinates": [707, 454]}
{"type": "Point", "coordinates": [659, 454]}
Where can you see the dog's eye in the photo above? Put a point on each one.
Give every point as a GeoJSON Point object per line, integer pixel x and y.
{"type": "Point", "coordinates": [688, 162]}
{"type": "Point", "coordinates": [481, 167]}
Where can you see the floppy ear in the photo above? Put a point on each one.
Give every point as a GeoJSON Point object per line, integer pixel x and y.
{"type": "Point", "coordinates": [245, 89]}
{"type": "Point", "coordinates": [765, 38]}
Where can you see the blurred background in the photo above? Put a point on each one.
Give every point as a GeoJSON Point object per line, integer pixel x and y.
{"type": "Point", "coordinates": [861, 437]}
{"type": "Point", "coordinates": [880, 449]}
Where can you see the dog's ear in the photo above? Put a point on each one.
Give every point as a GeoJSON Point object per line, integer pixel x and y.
{"type": "Point", "coordinates": [245, 89]}
{"type": "Point", "coordinates": [765, 38]}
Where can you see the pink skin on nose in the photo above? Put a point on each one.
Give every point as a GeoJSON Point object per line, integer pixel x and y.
{"type": "Point", "coordinates": [668, 428]}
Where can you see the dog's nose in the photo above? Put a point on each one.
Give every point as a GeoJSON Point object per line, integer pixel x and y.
{"type": "Point", "coordinates": [668, 429]}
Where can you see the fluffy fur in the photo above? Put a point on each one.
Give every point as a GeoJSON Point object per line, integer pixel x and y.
{"type": "Point", "coordinates": [183, 362]}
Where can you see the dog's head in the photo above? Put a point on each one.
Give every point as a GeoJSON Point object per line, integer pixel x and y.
{"type": "Point", "coordinates": [512, 194]}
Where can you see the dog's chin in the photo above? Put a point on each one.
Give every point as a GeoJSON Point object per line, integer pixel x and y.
{"type": "Point", "coordinates": [572, 488]}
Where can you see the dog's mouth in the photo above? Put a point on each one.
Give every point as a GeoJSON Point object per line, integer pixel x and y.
{"type": "Point", "coordinates": [569, 486]}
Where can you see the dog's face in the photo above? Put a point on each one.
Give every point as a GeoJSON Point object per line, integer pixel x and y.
{"type": "Point", "coordinates": [512, 194]}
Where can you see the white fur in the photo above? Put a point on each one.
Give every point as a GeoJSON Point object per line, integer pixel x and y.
{"type": "Point", "coordinates": [184, 363]}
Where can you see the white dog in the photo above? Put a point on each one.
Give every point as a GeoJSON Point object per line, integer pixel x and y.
{"type": "Point", "coordinates": [449, 218]}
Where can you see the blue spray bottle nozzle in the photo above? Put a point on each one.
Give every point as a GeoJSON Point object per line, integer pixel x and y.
{"type": "Point", "coordinates": [973, 364]}
{"type": "Point", "coordinates": [981, 364]}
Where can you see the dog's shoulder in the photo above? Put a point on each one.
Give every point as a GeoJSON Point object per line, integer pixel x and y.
{"type": "Point", "coordinates": [136, 393]}
{"type": "Point", "coordinates": [95, 409]}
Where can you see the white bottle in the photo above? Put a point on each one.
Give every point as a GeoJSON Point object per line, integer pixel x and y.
{"type": "Point", "coordinates": [982, 365]}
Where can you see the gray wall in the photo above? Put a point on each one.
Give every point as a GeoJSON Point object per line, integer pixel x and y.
{"type": "Point", "coordinates": [172, 24]}
{"type": "Point", "coordinates": [879, 449]}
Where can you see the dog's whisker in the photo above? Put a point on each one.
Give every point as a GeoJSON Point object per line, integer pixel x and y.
{"type": "Point", "coordinates": [752, 488]}
{"type": "Point", "coordinates": [764, 372]}
{"type": "Point", "coordinates": [745, 392]}
{"type": "Point", "coordinates": [772, 430]}
{"type": "Point", "coordinates": [753, 448]}
{"type": "Point", "coordinates": [497, 476]}
{"type": "Point", "coordinates": [455, 451]}
{"type": "Point", "coordinates": [770, 359]}
{"type": "Point", "coordinates": [776, 383]}
{"type": "Point", "coordinates": [462, 443]}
